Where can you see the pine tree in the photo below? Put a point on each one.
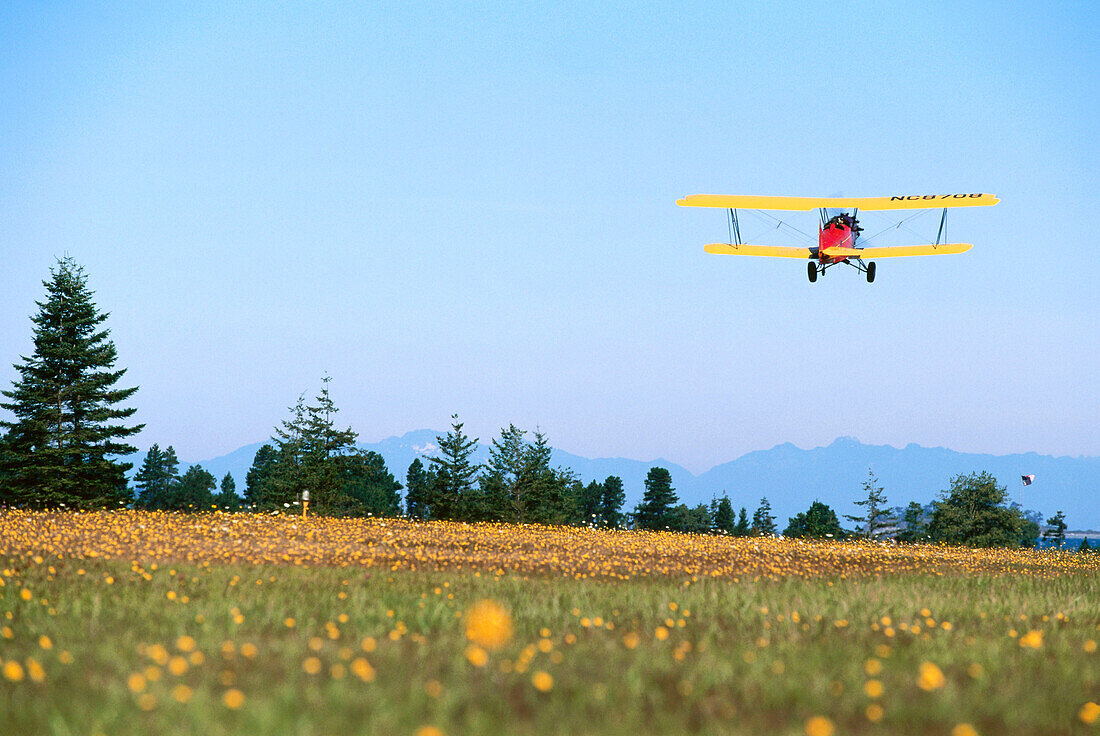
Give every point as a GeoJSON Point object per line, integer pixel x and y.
{"type": "Point", "coordinates": [228, 499]}
{"type": "Point", "coordinates": [724, 522]}
{"type": "Point", "coordinates": [1056, 530]}
{"type": "Point", "coordinates": [658, 501]}
{"type": "Point", "coordinates": [588, 504]}
{"type": "Point", "coordinates": [68, 420]}
{"type": "Point", "coordinates": [916, 524]}
{"type": "Point", "coordinates": [876, 517]}
{"type": "Point", "coordinates": [453, 474]}
{"type": "Point", "coordinates": [258, 479]}
{"type": "Point", "coordinates": [416, 490]}
{"type": "Point", "coordinates": [742, 529]}
{"type": "Point", "coordinates": [763, 522]}
{"type": "Point", "coordinates": [548, 489]}
{"type": "Point", "coordinates": [365, 487]}
{"type": "Point", "coordinates": [1085, 546]}
{"type": "Point", "coordinates": [611, 502]}
{"type": "Point", "coordinates": [157, 478]}
{"type": "Point", "coordinates": [194, 492]}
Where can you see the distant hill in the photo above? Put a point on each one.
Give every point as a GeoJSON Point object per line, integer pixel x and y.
{"type": "Point", "coordinates": [791, 477]}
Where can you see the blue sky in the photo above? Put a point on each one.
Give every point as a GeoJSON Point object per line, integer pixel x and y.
{"type": "Point", "coordinates": [471, 208]}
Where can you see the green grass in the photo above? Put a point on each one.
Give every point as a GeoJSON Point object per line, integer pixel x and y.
{"type": "Point", "coordinates": [750, 668]}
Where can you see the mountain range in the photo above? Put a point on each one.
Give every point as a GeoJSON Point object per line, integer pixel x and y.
{"type": "Point", "coordinates": [790, 477]}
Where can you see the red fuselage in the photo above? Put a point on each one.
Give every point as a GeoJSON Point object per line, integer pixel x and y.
{"type": "Point", "coordinates": [835, 234]}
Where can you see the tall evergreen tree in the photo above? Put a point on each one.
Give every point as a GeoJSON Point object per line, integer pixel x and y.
{"type": "Point", "coordinates": [658, 501]}
{"type": "Point", "coordinates": [611, 502]}
{"type": "Point", "coordinates": [453, 473]}
{"type": "Point", "coordinates": [724, 521]}
{"type": "Point", "coordinates": [417, 486]}
{"type": "Point", "coordinates": [259, 475]}
{"type": "Point", "coordinates": [876, 517]}
{"type": "Point", "coordinates": [227, 498]}
{"type": "Point", "coordinates": [194, 492]}
{"type": "Point", "coordinates": [68, 423]}
{"type": "Point", "coordinates": [365, 486]}
{"type": "Point", "coordinates": [915, 524]}
{"type": "Point", "coordinates": [1055, 532]}
{"type": "Point", "coordinates": [548, 494]}
{"type": "Point", "coordinates": [763, 522]}
{"type": "Point", "coordinates": [588, 505]}
{"type": "Point", "coordinates": [743, 529]}
{"type": "Point", "coordinates": [157, 477]}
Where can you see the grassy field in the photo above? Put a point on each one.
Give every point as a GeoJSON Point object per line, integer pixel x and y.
{"type": "Point", "coordinates": [122, 623]}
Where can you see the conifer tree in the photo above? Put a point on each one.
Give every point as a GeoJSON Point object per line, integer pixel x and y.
{"type": "Point", "coordinates": [588, 505]}
{"type": "Point", "coordinates": [258, 479]}
{"type": "Point", "coordinates": [819, 522]}
{"type": "Point", "coordinates": [1055, 532]}
{"type": "Point", "coordinates": [876, 517]}
{"type": "Point", "coordinates": [611, 502]}
{"type": "Point", "coordinates": [742, 529]}
{"type": "Point", "coordinates": [156, 478]}
{"type": "Point", "coordinates": [68, 425]}
{"type": "Point", "coordinates": [658, 501]}
{"type": "Point", "coordinates": [416, 490]}
{"type": "Point", "coordinates": [723, 519]}
{"type": "Point", "coordinates": [453, 473]}
{"type": "Point", "coordinates": [194, 492]}
{"type": "Point", "coordinates": [227, 499]}
{"type": "Point", "coordinates": [763, 522]}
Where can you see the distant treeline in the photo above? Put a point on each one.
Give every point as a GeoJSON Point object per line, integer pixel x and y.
{"type": "Point", "coordinates": [69, 427]}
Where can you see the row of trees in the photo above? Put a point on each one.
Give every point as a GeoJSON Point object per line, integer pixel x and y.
{"type": "Point", "coordinates": [70, 426]}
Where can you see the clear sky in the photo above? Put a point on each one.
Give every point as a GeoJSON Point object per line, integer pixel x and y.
{"type": "Point", "coordinates": [471, 208]}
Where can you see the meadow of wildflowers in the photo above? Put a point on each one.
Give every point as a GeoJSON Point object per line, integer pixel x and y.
{"type": "Point", "coordinates": [133, 622]}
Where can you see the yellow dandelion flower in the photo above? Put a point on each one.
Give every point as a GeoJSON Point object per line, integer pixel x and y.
{"type": "Point", "coordinates": [1090, 646]}
{"type": "Point", "coordinates": [545, 645]}
{"type": "Point", "coordinates": [147, 701]}
{"type": "Point", "coordinates": [477, 656]}
{"type": "Point", "coordinates": [289, 622]}
{"type": "Point", "coordinates": [873, 688]}
{"type": "Point", "coordinates": [488, 624]}
{"type": "Point", "coordinates": [1089, 713]}
{"type": "Point", "coordinates": [45, 642]}
{"type": "Point", "coordinates": [964, 729]}
{"type": "Point", "coordinates": [362, 669]}
{"type": "Point", "coordinates": [182, 694]}
{"type": "Point", "coordinates": [542, 681]}
{"type": "Point", "coordinates": [872, 667]}
{"type": "Point", "coordinates": [185, 643]}
{"type": "Point", "coordinates": [311, 666]}
{"type": "Point", "coordinates": [434, 688]}
{"type": "Point", "coordinates": [13, 671]}
{"type": "Point", "coordinates": [661, 633]}
{"type": "Point", "coordinates": [819, 726]}
{"type": "Point", "coordinates": [177, 665]}
{"type": "Point", "coordinates": [630, 640]}
{"type": "Point", "coordinates": [233, 698]}
{"type": "Point", "coordinates": [248, 650]}
{"type": "Point", "coordinates": [429, 731]}
{"type": "Point", "coordinates": [25, 594]}
{"type": "Point", "coordinates": [35, 671]}
{"type": "Point", "coordinates": [1032, 639]}
{"type": "Point", "coordinates": [874, 712]}
{"type": "Point", "coordinates": [930, 677]}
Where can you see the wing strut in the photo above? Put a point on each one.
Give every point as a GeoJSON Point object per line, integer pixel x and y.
{"type": "Point", "coordinates": [943, 227]}
{"type": "Point", "coordinates": [735, 228]}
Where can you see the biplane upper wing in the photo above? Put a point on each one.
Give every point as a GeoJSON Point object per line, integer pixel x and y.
{"type": "Point", "coordinates": [904, 202]}
{"type": "Point", "coordinates": [914, 250]}
{"type": "Point", "coordinates": [743, 249]}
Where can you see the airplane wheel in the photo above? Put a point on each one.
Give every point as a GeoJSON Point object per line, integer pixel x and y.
{"type": "Point", "coordinates": [811, 271]}
{"type": "Point", "coordinates": [870, 272]}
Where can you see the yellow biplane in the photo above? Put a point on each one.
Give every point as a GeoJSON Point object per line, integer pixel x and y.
{"type": "Point", "coordinates": [839, 231]}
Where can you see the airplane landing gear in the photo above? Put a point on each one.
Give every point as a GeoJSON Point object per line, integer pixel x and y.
{"type": "Point", "coordinates": [870, 272]}
{"type": "Point", "coordinates": [811, 271]}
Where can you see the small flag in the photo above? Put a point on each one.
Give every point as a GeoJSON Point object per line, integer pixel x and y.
{"type": "Point", "coordinates": [1027, 479]}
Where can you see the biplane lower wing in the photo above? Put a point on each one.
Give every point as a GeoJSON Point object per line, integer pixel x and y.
{"type": "Point", "coordinates": [904, 202]}
{"type": "Point", "coordinates": [743, 249]}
